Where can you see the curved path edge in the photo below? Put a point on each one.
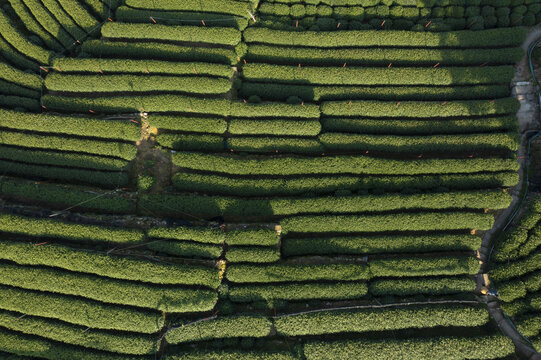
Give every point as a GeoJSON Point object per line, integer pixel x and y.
{"type": "Point", "coordinates": [529, 123]}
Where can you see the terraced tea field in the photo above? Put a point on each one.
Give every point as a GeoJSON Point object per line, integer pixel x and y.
{"type": "Point", "coordinates": [255, 179]}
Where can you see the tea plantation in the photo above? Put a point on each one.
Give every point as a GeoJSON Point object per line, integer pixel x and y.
{"type": "Point", "coordinates": [261, 179]}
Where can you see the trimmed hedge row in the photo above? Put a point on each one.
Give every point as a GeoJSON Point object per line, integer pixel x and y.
{"type": "Point", "coordinates": [245, 273]}
{"type": "Point", "coordinates": [124, 268]}
{"type": "Point", "coordinates": [456, 39]}
{"type": "Point", "coordinates": [78, 311]}
{"type": "Point", "coordinates": [189, 124]}
{"type": "Point", "coordinates": [18, 102]}
{"type": "Point", "coordinates": [132, 66]}
{"type": "Point", "coordinates": [76, 335]}
{"type": "Point", "coordinates": [16, 58]}
{"type": "Point", "coordinates": [245, 236]}
{"type": "Point", "coordinates": [431, 143]}
{"type": "Point", "coordinates": [121, 150]}
{"type": "Point", "coordinates": [390, 222]}
{"type": "Point", "coordinates": [240, 207]}
{"type": "Point", "coordinates": [275, 144]}
{"type": "Point", "coordinates": [239, 8]}
{"type": "Point", "coordinates": [508, 270]}
{"type": "Point", "coordinates": [79, 14]}
{"type": "Point", "coordinates": [416, 109]}
{"type": "Point", "coordinates": [521, 240]}
{"type": "Point", "coordinates": [50, 228]}
{"type": "Point", "coordinates": [530, 325]}
{"type": "Point", "coordinates": [274, 110]}
{"type": "Point", "coordinates": [191, 233]}
{"type": "Point", "coordinates": [172, 17]}
{"type": "Point", "coordinates": [158, 50]}
{"type": "Point", "coordinates": [150, 103]}
{"type": "Point", "coordinates": [92, 177]}
{"type": "Point", "coordinates": [192, 142]}
{"type": "Point", "coordinates": [519, 288]}
{"type": "Point", "coordinates": [193, 34]}
{"type": "Point", "coordinates": [429, 286]}
{"type": "Point", "coordinates": [73, 125]}
{"type": "Point", "coordinates": [251, 165]}
{"type": "Point", "coordinates": [16, 76]}
{"type": "Point", "coordinates": [64, 19]}
{"type": "Point", "coordinates": [65, 196]}
{"type": "Point", "coordinates": [30, 23]}
{"type": "Point", "coordinates": [414, 266]}
{"type": "Point", "coordinates": [381, 56]}
{"type": "Point", "coordinates": [274, 127]}
{"type": "Point", "coordinates": [363, 320]}
{"type": "Point", "coordinates": [421, 127]}
{"type": "Point", "coordinates": [48, 22]}
{"type": "Point", "coordinates": [231, 355]}
{"type": "Point", "coordinates": [171, 299]}
{"type": "Point", "coordinates": [8, 88]}
{"type": "Point", "coordinates": [423, 348]}
{"type": "Point", "coordinates": [221, 327]}
{"type": "Point", "coordinates": [378, 76]}
{"type": "Point", "coordinates": [252, 254]}
{"type": "Point", "coordinates": [61, 83]}
{"type": "Point", "coordinates": [43, 157]}
{"type": "Point", "coordinates": [318, 185]}
{"type": "Point", "coordinates": [356, 245]}
{"type": "Point", "coordinates": [281, 92]}
{"type": "Point", "coordinates": [297, 292]}
{"type": "Point", "coordinates": [23, 345]}
{"type": "Point", "coordinates": [186, 249]}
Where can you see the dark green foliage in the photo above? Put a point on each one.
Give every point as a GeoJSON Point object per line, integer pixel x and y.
{"type": "Point", "coordinates": [252, 254]}
{"type": "Point", "coordinates": [250, 165]}
{"type": "Point", "coordinates": [378, 76]}
{"type": "Point", "coordinates": [408, 267]}
{"type": "Point", "coordinates": [117, 149]}
{"type": "Point", "coordinates": [196, 34]}
{"type": "Point", "coordinates": [80, 312]}
{"type": "Point", "coordinates": [379, 244]}
{"type": "Point", "coordinates": [455, 348]}
{"type": "Point", "coordinates": [226, 7]}
{"type": "Point", "coordinates": [221, 327]}
{"type": "Point", "coordinates": [244, 273]}
{"type": "Point", "coordinates": [126, 268]}
{"type": "Point", "coordinates": [297, 292]}
{"type": "Point", "coordinates": [92, 177]}
{"type": "Point", "coordinates": [189, 124]}
{"type": "Point", "coordinates": [421, 127]}
{"type": "Point", "coordinates": [393, 222]}
{"type": "Point", "coordinates": [225, 185]}
{"type": "Point", "coordinates": [158, 50]}
{"type": "Point", "coordinates": [424, 285]}
{"type": "Point", "coordinates": [421, 109]}
{"type": "Point", "coordinates": [142, 67]}
{"type": "Point", "coordinates": [363, 320]}
{"type": "Point", "coordinates": [436, 143]}
{"type": "Point", "coordinates": [77, 335]}
{"type": "Point", "coordinates": [72, 125]}
{"type": "Point", "coordinates": [381, 56]}
{"type": "Point", "coordinates": [61, 83]}
{"type": "Point", "coordinates": [464, 39]}
{"type": "Point", "coordinates": [51, 228]}
{"type": "Point", "coordinates": [107, 290]}
{"type": "Point", "coordinates": [186, 249]}
{"type": "Point", "coordinates": [65, 196]}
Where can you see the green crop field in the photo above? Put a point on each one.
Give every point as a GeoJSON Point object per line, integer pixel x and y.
{"type": "Point", "coordinates": [264, 179]}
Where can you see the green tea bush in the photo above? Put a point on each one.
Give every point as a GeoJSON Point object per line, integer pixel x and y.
{"type": "Point", "coordinates": [108, 290]}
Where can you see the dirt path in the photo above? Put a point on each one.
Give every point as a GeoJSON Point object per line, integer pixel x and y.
{"type": "Point", "coordinates": [529, 123]}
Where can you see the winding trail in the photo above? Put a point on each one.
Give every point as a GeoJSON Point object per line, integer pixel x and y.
{"type": "Point", "coordinates": [529, 125]}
